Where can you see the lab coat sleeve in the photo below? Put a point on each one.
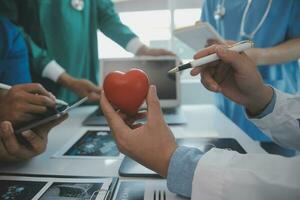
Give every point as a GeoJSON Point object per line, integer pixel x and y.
{"type": "Point", "coordinates": [228, 175]}
{"type": "Point", "coordinates": [283, 124]}
{"type": "Point", "coordinates": [110, 24]}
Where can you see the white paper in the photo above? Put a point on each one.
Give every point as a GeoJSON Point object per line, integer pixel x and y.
{"type": "Point", "coordinates": [152, 188]}
{"type": "Point", "coordinates": [196, 36]}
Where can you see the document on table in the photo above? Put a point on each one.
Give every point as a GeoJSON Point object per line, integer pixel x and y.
{"type": "Point", "coordinates": [89, 143]}
{"type": "Point", "coordinates": [45, 188]}
{"type": "Point", "coordinates": [144, 189]}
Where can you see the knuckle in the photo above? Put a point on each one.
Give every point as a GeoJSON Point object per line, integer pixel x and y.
{"type": "Point", "coordinates": [43, 100]}
{"type": "Point", "coordinates": [38, 85]}
{"type": "Point", "coordinates": [18, 106]}
{"type": "Point", "coordinates": [13, 150]}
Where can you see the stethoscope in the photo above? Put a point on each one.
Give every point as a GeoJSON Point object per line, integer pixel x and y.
{"type": "Point", "coordinates": [77, 4]}
{"type": "Point", "coordinates": [220, 12]}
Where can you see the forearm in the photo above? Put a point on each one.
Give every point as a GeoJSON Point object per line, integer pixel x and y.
{"type": "Point", "coordinates": [66, 80]}
{"type": "Point", "coordinates": [110, 23]}
{"type": "Point", "coordinates": [282, 53]}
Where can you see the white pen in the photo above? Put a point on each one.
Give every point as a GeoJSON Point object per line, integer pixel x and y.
{"type": "Point", "coordinates": [238, 47]}
{"type": "Point", "coordinates": [57, 101]}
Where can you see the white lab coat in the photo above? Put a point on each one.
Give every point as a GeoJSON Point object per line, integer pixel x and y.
{"type": "Point", "coordinates": [228, 175]}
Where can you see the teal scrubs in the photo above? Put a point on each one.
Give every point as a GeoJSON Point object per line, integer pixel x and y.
{"type": "Point", "coordinates": [55, 30]}
{"type": "Point", "coordinates": [282, 23]}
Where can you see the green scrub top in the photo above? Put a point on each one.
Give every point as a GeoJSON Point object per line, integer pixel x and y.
{"type": "Point", "coordinates": [54, 30]}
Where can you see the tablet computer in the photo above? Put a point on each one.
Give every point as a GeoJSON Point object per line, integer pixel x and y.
{"type": "Point", "coordinates": [49, 116]}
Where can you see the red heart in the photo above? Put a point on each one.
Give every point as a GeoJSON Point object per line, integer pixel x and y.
{"type": "Point", "coordinates": [127, 91]}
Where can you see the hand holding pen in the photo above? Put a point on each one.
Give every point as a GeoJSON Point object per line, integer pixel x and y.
{"type": "Point", "coordinates": [22, 103]}
{"type": "Point", "coordinates": [238, 47]}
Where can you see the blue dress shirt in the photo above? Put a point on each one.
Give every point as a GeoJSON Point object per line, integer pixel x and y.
{"type": "Point", "coordinates": [14, 64]}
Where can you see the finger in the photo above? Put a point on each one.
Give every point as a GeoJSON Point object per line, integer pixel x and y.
{"type": "Point", "coordinates": [212, 42]}
{"type": "Point", "coordinates": [36, 88]}
{"type": "Point", "coordinates": [208, 81]}
{"type": "Point", "coordinates": [230, 42]}
{"type": "Point", "coordinates": [167, 53]}
{"type": "Point", "coordinates": [205, 52]}
{"type": "Point", "coordinates": [222, 72]}
{"type": "Point", "coordinates": [154, 109]}
{"type": "Point", "coordinates": [33, 109]}
{"type": "Point", "coordinates": [94, 97]}
{"type": "Point", "coordinates": [39, 100]}
{"type": "Point", "coordinates": [238, 61]}
{"type": "Point", "coordinates": [195, 71]}
{"type": "Point", "coordinates": [114, 120]}
{"type": "Point", "coordinates": [37, 143]}
{"type": "Point", "coordinates": [140, 115]}
{"type": "Point", "coordinates": [208, 51]}
{"type": "Point", "coordinates": [94, 88]}
{"type": "Point", "coordinates": [9, 139]}
{"type": "Point", "coordinates": [135, 126]}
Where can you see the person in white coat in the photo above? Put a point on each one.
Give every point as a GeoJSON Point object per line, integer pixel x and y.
{"type": "Point", "coordinates": [219, 174]}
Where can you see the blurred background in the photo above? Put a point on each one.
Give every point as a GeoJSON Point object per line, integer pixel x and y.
{"type": "Point", "coordinates": [154, 21]}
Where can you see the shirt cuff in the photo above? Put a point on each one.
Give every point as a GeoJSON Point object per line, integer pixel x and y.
{"type": "Point", "coordinates": [276, 116]}
{"type": "Point", "coordinates": [134, 45]}
{"type": "Point", "coordinates": [181, 170]}
{"type": "Point", "coordinates": [268, 110]}
{"type": "Point", "coordinates": [53, 71]}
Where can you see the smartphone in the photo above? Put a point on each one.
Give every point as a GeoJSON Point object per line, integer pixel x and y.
{"type": "Point", "coordinates": [49, 116]}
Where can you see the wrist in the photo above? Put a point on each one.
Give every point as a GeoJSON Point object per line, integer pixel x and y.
{"type": "Point", "coordinates": [258, 55]}
{"type": "Point", "coordinates": [260, 101]}
{"type": "Point", "coordinates": [142, 50]}
{"type": "Point", "coordinates": [167, 160]}
{"type": "Point", "coordinates": [66, 80]}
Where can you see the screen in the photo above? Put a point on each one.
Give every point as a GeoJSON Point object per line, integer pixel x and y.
{"type": "Point", "coordinates": [157, 71]}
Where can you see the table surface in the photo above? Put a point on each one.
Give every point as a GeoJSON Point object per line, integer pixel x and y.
{"type": "Point", "coordinates": [203, 121]}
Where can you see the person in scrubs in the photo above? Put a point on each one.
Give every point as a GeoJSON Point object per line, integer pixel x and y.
{"type": "Point", "coordinates": [274, 27]}
{"type": "Point", "coordinates": [219, 174]}
{"type": "Point", "coordinates": [62, 39]}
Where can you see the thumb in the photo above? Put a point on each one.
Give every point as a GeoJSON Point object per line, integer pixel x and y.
{"type": "Point", "coordinates": [154, 109]}
{"type": "Point", "coordinates": [239, 62]}
{"type": "Point", "coordinates": [114, 120]}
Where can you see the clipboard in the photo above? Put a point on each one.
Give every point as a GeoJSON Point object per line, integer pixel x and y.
{"type": "Point", "coordinates": [196, 36]}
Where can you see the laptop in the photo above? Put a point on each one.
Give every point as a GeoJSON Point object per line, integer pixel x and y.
{"type": "Point", "coordinates": [168, 86]}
